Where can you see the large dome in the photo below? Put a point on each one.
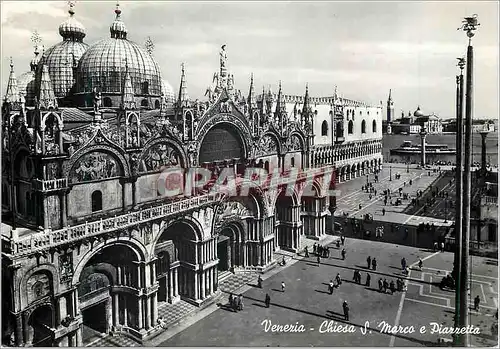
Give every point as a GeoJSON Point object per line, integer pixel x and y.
{"type": "Point", "coordinates": [61, 57]}
{"type": "Point", "coordinates": [104, 64]}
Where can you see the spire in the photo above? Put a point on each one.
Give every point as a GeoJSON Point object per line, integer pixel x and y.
{"type": "Point", "coordinates": [307, 105]}
{"type": "Point", "coordinates": [183, 96]}
{"type": "Point", "coordinates": [390, 95]}
{"type": "Point", "coordinates": [128, 101]}
{"type": "Point", "coordinates": [47, 98]}
{"type": "Point", "coordinates": [36, 39]}
{"type": "Point", "coordinates": [118, 29]}
{"type": "Point", "coordinates": [251, 94]}
{"type": "Point", "coordinates": [12, 93]}
{"type": "Point", "coordinates": [279, 100]}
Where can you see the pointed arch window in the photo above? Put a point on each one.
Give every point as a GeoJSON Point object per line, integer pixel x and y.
{"type": "Point", "coordinates": [292, 161]}
{"type": "Point", "coordinates": [350, 127]}
{"type": "Point", "coordinates": [363, 126]}
{"type": "Point", "coordinates": [324, 128]}
{"type": "Point", "coordinates": [96, 201]}
{"type": "Point", "coordinates": [374, 126]}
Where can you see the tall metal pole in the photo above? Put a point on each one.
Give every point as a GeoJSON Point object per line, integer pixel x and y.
{"type": "Point", "coordinates": [458, 204]}
{"type": "Point", "coordinates": [469, 26]}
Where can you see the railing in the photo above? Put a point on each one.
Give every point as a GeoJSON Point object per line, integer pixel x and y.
{"type": "Point", "coordinates": [42, 240]}
{"type": "Point", "coordinates": [473, 245]}
{"type": "Point", "coordinates": [490, 199]}
{"type": "Point", "coordinates": [51, 184]}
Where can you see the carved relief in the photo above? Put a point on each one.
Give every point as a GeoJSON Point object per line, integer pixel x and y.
{"type": "Point", "coordinates": [38, 286]}
{"type": "Point", "coordinates": [65, 267]}
{"type": "Point", "coordinates": [158, 155]}
{"type": "Point", "coordinates": [294, 144]}
{"type": "Point", "coordinates": [266, 145]}
{"type": "Point", "coordinates": [228, 210]}
{"type": "Point", "coordinates": [94, 166]}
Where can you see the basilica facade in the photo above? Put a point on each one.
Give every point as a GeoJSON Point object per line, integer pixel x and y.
{"type": "Point", "coordinates": [90, 239]}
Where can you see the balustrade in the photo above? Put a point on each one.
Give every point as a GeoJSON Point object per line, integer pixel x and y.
{"type": "Point", "coordinates": [42, 240]}
{"type": "Point", "coordinates": [50, 184]}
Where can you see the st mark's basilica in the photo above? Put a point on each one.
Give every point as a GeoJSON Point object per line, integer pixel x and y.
{"type": "Point", "coordinates": [89, 240]}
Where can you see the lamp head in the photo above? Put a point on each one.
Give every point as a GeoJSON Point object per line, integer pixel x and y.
{"type": "Point", "coordinates": [461, 63]}
{"type": "Point", "coordinates": [469, 25]}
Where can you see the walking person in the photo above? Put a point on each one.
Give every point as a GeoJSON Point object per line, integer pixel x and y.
{"type": "Point", "coordinates": [315, 249]}
{"type": "Point", "coordinates": [403, 263]}
{"type": "Point", "coordinates": [477, 300]}
{"type": "Point", "coordinates": [318, 259]}
{"type": "Point", "coordinates": [369, 261]}
{"type": "Point", "coordinates": [240, 302]}
{"type": "Point", "coordinates": [383, 211]}
{"type": "Point", "coordinates": [306, 252]}
{"type": "Point", "coordinates": [338, 280]}
{"type": "Point", "coordinates": [345, 307]}
{"type": "Point", "coordinates": [330, 287]}
{"type": "Point", "coordinates": [392, 287]}
{"type": "Point", "coordinates": [259, 281]}
{"type": "Point", "coordinates": [267, 300]}
{"type": "Point", "coordinates": [343, 253]}
{"type": "Point", "coordinates": [231, 303]}
{"type": "Point", "coordinates": [420, 263]}
{"type": "Point", "coordinates": [338, 243]}
{"type": "Point", "coordinates": [342, 239]}
{"type": "Point", "coordinates": [380, 285]}
{"type": "Point", "coordinates": [368, 278]}
{"type": "Point", "coordinates": [282, 286]}
{"type": "Point", "coordinates": [442, 246]}
{"type": "Point", "coordinates": [374, 264]}
{"type": "Point", "coordinates": [386, 285]}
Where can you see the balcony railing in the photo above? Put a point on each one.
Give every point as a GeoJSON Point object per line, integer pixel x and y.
{"type": "Point", "coordinates": [43, 240]}
{"type": "Point", "coordinates": [51, 184]}
{"type": "Point", "coordinates": [490, 199]}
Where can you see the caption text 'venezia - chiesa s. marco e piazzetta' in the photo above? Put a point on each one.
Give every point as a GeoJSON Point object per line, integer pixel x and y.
{"type": "Point", "coordinates": [88, 238]}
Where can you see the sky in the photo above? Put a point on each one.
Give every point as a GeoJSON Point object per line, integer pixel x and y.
{"type": "Point", "coordinates": [363, 48]}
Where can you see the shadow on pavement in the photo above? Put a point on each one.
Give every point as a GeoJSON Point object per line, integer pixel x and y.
{"type": "Point", "coordinates": [319, 291]}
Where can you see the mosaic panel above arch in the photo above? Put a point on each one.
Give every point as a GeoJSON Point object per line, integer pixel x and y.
{"type": "Point", "coordinates": [158, 156]}
{"type": "Point", "coordinates": [93, 166]}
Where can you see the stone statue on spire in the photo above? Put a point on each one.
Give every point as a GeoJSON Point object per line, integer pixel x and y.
{"type": "Point", "coordinates": [223, 57]}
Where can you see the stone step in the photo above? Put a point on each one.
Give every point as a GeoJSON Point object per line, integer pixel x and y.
{"type": "Point", "coordinates": [223, 275]}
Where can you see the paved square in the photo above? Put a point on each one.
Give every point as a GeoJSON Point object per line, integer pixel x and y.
{"type": "Point", "coordinates": [306, 302]}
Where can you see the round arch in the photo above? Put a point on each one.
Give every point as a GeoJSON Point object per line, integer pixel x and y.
{"type": "Point", "coordinates": [135, 246]}
{"type": "Point", "coordinates": [241, 129]}
{"type": "Point", "coordinates": [220, 142]}
{"type": "Point", "coordinates": [46, 268]}
{"type": "Point", "coordinates": [155, 145]}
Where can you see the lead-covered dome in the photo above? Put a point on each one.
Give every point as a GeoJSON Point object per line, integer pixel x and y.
{"type": "Point", "coordinates": [418, 113]}
{"type": "Point", "coordinates": [167, 91]}
{"type": "Point", "coordinates": [103, 65]}
{"type": "Point", "coordinates": [63, 57]}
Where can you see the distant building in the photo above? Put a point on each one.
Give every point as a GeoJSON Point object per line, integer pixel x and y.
{"type": "Point", "coordinates": [412, 124]}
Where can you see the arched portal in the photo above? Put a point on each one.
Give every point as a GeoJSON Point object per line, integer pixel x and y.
{"type": "Point", "coordinates": [104, 300]}
{"type": "Point", "coordinates": [222, 142]}
{"type": "Point", "coordinates": [40, 324]}
{"type": "Point", "coordinates": [229, 247]}
{"type": "Point", "coordinates": [287, 216]}
{"type": "Point", "coordinates": [178, 254]}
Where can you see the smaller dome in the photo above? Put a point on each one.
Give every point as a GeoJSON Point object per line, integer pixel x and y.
{"type": "Point", "coordinates": [418, 113]}
{"type": "Point", "coordinates": [26, 86]}
{"type": "Point", "coordinates": [167, 91]}
{"type": "Point", "coordinates": [72, 28]}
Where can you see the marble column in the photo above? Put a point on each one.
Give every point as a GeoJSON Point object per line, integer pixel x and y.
{"type": "Point", "coordinates": [116, 308]}
{"type": "Point", "coordinates": [203, 284]}
{"type": "Point", "coordinates": [140, 316]}
{"type": "Point", "coordinates": [19, 330]}
{"type": "Point", "coordinates": [148, 313]}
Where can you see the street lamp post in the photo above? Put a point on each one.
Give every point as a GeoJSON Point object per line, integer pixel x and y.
{"type": "Point", "coordinates": [457, 268]}
{"type": "Point", "coordinates": [469, 26]}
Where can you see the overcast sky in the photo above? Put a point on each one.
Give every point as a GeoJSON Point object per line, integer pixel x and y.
{"type": "Point", "coordinates": [365, 48]}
